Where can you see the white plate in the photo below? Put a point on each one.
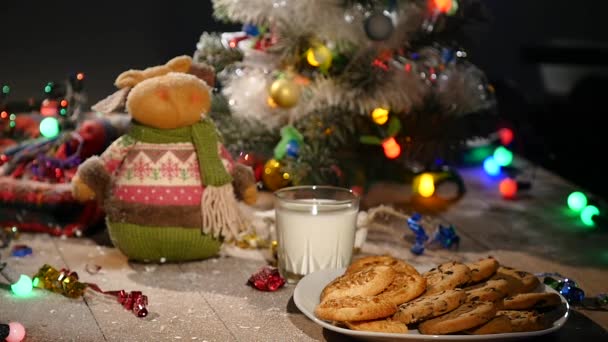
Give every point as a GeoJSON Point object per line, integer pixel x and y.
{"type": "Point", "coordinates": [307, 293]}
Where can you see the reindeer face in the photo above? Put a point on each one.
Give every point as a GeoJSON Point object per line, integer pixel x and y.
{"type": "Point", "coordinates": [169, 101]}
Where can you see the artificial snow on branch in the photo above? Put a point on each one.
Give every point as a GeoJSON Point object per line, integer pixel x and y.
{"type": "Point", "coordinates": [334, 20]}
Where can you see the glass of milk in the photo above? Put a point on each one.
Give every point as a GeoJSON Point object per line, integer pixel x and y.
{"type": "Point", "coordinates": [315, 229]}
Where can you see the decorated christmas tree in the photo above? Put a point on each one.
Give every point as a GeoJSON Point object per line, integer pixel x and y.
{"type": "Point", "coordinates": [347, 92]}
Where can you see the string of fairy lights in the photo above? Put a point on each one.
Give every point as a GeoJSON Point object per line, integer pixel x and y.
{"type": "Point", "coordinates": [61, 101]}
{"type": "Point", "coordinates": [578, 202]}
{"type": "Point", "coordinates": [588, 212]}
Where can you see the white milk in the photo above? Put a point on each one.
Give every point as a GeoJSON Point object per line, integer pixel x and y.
{"type": "Point", "coordinates": [314, 235]}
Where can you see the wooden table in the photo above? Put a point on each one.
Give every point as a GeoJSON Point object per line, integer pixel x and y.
{"type": "Point", "coordinates": [209, 300]}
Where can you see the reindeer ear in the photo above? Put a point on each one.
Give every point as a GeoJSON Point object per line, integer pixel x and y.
{"type": "Point", "coordinates": [129, 78]}
{"type": "Point", "coordinates": [113, 102]}
{"type": "Point", "coordinates": [179, 64]}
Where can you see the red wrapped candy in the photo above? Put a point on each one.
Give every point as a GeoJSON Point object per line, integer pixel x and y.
{"type": "Point", "coordinates": [266, 278]}
{"type": "Point", "coordinates": [134, 301]}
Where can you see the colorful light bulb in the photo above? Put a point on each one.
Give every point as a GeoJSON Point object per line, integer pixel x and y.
{"type": "Point", "coordinates": [443, 6]}
{"type": "Point", "coordinates": [48, 88]}
{"type": "Point", "coordinates": [577, 201]}
{"type": "Point", "coordinates": [49, 127]}
{"type": "Point", "coordinates": [587, 215]}
{"type": "Point", "coordinates": [454, 8]}
{"type": "Point", "coordinates": [23, 286]}
{"type": "Point", "coordinates": [426, 187]}
{"type": "Point", "coordinates": [503, 156]}
{"type": "Point", "coordinates": [16, 332]}
{"type": "Point", "coordinates": [392, 149]}
{"type": "Point", "coordinates": [506, 136]}
{"type": "Point", "coordinates": [380, 115]}
{"type": "Point", "coordinates": [491, 167]}
{"type": "Point", "coordinates": [508, 188]}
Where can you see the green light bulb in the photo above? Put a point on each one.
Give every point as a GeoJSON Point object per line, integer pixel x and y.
{"type": "Point", "coordinates": [48, 88]}
{"type": "Point", "coordinates": [577, 201]}
{"type": "Point", "coordinates": [6, 89]}
{"type": "Point", "coordinates": [49, 127]}
{"type": "Point", "coordinates": [12, 124]}
{"type": "Point", "coordinates": [454, 9]}
{"type": "Point", "coordinates": [23, 287]}
{"type": "Point", "coordinates": [588, 213]}
{"type": "Point", "coordinates": [503, 156]}
{"type": "Point", "coordinates": [63, 111]}
{"type": "Point", "coordinates": [477, 154]}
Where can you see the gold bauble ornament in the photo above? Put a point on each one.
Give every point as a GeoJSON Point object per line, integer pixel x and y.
{"type": "Point", "coordinates": [274, 178]}
{"type": "Point", "coordinates": [285, 92]}
{"type": "Point", "coordinates": [271, 102]}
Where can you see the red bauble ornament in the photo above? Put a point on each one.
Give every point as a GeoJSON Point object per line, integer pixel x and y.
{"type": "Point", "coordinates": [93, 133]}
{"type": "Point", "coordinates": [357, 189]}
{"type": "Point", "coordinates": [252, 160]}
{"type": "Point", "coordinates": [49, 107]}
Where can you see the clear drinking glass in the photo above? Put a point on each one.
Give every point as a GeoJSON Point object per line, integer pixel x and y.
{"type": "Point", "coordinates": [315, 229]}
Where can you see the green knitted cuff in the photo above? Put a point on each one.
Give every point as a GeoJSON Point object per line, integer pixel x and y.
{"type": "Point", "coordinates": [153, 244]}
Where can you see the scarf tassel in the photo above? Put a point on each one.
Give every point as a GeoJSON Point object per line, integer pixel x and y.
{"type": "Point", "coordinates": [221, 214]}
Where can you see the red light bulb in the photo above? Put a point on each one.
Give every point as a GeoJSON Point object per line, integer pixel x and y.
{"type": "Point", "coordinates": [508, 188]}
{"type": "Point", "coordinates": [506, 136]}
{"type": "Point", "coordinates": [392, 149]}
{"type": "Point", "coordinates": [443, 6]}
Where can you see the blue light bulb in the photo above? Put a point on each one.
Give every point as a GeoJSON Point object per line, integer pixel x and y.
{"type": "Point", "coordinates": [491, 167]}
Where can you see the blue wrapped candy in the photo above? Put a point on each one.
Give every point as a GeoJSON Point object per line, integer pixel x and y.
{"type": "Point", "coordinates": [421, 238]}
{"type": "Point", "coordinates": [446, 236]}
{"type": "Point", "coordinates": [21, 251]}
{"type": "Point", "coordinates": [574, 294]}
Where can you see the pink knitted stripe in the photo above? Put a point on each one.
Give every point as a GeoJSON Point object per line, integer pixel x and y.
{"type": "Point", "coordinates": [159, 195]}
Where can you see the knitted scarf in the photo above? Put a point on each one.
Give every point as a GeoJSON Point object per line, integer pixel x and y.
{"type": "Point", "coordinates": [220, 213]}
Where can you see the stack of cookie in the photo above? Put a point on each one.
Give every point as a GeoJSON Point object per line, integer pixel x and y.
{"type": "Point", "coordinates": [385, 294]}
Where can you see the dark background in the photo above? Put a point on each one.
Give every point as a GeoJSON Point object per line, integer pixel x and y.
{"type": "Point", "coordinates": [556, 115]}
